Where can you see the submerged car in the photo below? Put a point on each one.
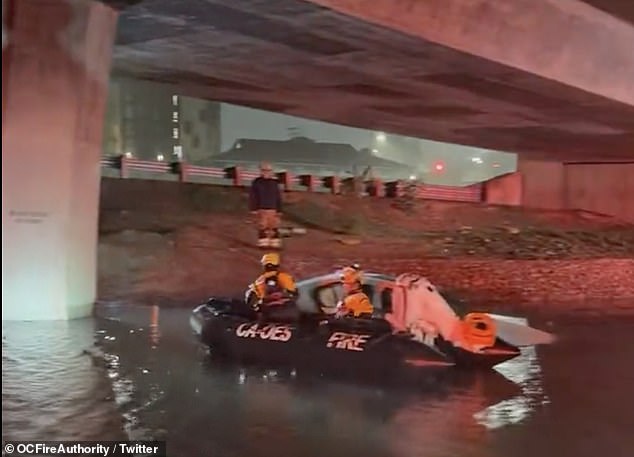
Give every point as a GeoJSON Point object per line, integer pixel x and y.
{"type": "Point", "coordinates": [413, 328]}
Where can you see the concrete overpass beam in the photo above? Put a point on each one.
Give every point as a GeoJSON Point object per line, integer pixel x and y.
{"type": "Point", "coordinates": [563, 40]}
{"type": "Point", "coordinates": [55, 79]}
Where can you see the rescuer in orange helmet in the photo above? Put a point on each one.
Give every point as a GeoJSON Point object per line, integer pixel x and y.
{"type": "Point", "coordinates": [355, 301]}
{"type": "Point", "coordinates": [274, 292]}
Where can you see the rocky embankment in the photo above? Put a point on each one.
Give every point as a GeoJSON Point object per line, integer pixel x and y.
{"type": "Point", "coordinates": [161, 243]}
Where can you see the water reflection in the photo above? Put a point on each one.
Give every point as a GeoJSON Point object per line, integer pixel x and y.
{"type": "Point", "coordinates": [147, 378]}
{"type": "Point", "coordinates": [51, 386]}
{"type": "Point", "coordinates": [525, 371]}
{"type": "Point", "coordinates": [450, 413]}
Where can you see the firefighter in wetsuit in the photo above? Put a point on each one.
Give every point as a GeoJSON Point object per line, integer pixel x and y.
{"type": "Point", "coordinates": [273, 293]}
{"type": "Point", "coordinates": [355, 301]}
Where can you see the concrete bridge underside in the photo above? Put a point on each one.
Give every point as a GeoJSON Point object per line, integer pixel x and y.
{"type": "Point", "coordinates": [544, 78]}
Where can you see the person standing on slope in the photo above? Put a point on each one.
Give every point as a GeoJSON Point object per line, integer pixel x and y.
{"type": "Point", "coordinates": [265, 201]}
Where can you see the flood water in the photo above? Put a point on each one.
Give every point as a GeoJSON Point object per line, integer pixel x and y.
{"type": "Point", "coordinates": [137, 372]}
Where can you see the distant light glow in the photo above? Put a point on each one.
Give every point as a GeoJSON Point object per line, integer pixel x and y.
{"type": "Point", "coordinates": [160, 157]}
{"type": "Point", "coordinates": [439, 166]}
{"type": "Point", "coordinates": [412, 177]}
{"type": "Point", "coordinates": [175, 100]}
{"type": "Point", "coordinates": [375, 151]}
{"type": "Point", "coordinates": [477, 160]}
{"type": "Point", "coordinates": [496, 165]}
{"type": "Point", "coordinates": [128, 155]}
{"type": "Point", "coordinates": [380, 137]}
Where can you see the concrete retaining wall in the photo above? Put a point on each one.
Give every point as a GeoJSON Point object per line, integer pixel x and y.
{"type": "Point", "coordinates": [601, 188]}
{"type": "Point", "coordinates": [604, 188]}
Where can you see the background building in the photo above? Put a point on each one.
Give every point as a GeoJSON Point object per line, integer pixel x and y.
{"type": "Point", "coordinates": [147, 121]}
{"type": "Point", "coordinates": [199, 129]}
{"type": "Point", "coordinates": [138, 122]}
{"type": "Point", "coordinates": [301, 155]}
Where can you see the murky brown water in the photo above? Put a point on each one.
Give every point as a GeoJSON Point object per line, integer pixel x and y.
{"type": "Point", "coordinates": [120, 376]}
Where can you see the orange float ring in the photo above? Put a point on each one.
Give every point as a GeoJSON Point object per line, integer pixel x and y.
{"type": "Point", "coordinates": [478, 330]}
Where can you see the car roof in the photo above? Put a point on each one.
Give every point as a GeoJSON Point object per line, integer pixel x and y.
{"type": "Point", "coordinates": [369, 277]}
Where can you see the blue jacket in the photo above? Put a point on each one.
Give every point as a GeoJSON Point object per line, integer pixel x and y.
{"type": "Point", "coordinates": [265, 194]}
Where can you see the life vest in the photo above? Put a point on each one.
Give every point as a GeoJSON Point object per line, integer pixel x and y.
{"type": "Point", "coordinates": [270, 288]}
{"type": "Point", "coordinates": [271, 284]}
{"type": "Point", "coordinates": [478, 330]}
{"type": "Point", "coordinates": [358, 303]}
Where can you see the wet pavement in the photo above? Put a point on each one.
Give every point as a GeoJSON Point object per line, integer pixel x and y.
{"type": "Point", "coordinates": [138, 373]}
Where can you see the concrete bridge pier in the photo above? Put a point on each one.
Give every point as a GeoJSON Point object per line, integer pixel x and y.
{"type": "Point", "coordinates": [56, 65]}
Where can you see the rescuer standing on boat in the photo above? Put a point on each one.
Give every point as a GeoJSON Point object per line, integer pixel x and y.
{"type": "Point", "coordinates": [274, 292]}
{"type": "Point", "coordinates": [355, 302]}
{"type": "Point", "coordinates": [265, 201]}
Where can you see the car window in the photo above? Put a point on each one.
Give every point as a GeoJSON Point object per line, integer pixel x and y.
{"type": "Point", "coordinates": [328, 295]}
{"type": "Point", "coordinates": [386, 299]}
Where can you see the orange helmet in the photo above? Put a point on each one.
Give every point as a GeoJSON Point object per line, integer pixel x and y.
{"type": "Point", "coordinates": [351, 274]}
{"type": "Point", "coordinates": [270, 260]}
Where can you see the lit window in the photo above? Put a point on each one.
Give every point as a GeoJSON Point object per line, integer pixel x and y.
{"type": "Point", "coordinates": [175, 100]}
{"type": "Point", "coordinates": [178, 151]}
{"type": "Point", "coordinates": [128, 155]}
{"type": "Point", "coordinates": [175, 116]}
{"type": "Point", "coordinates": [159, 157]}
{"type": "Point", "coordinates": [175, 133]}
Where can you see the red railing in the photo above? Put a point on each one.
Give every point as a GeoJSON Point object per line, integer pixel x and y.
{"type": "Point", "coordinates": [236, 176]}
{"type": "Point", "coordinates": [471, 193]}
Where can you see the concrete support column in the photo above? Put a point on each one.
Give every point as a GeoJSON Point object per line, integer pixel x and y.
{"type": "Point", "coordinates": [604, 188]}
{"type": "Point", "coordinates": [5, 36]}
{"type": "Point", "coordinates": [542, 184]}
{"type": "Point", "coordinates": [54, 92]}
{"type": "Point", "coordinates": [504, 190]}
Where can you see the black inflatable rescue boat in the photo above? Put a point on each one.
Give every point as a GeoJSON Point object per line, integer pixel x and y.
{"type": "Point", "coordinates": [359, 344]}
{"type": "Point", "coordinates": [413, 328]}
